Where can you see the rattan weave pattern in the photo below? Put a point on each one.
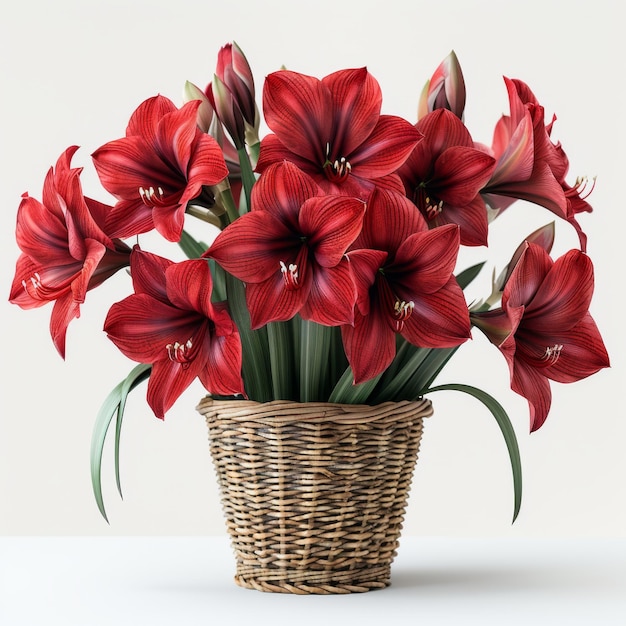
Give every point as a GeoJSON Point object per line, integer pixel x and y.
{"type": "Point", "coordinates": [314, 494]}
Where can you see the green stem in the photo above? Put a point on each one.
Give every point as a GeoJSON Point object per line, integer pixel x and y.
{"type": "Point", "coordinates": [247, 175]}
{"type": "Point", "coordinates": [226, 197]}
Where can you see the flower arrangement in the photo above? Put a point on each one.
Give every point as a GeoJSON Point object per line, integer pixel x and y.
{"type": "Point", "coordinates": [330, 275]}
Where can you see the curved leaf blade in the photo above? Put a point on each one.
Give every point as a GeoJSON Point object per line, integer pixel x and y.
{"type": "Point", "coordinates": [113, 405]}
{"type": "Point", "coordinates": [507, 431]}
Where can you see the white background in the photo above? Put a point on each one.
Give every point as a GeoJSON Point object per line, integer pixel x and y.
{"type": "Point", "coordinates": [72, 72]}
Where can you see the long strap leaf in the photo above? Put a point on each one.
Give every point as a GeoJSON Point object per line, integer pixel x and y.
{"type": "Point", "coordinates": [254, 344]}
{"type": "Point", "coordinates": [114, 404]}
{"type": "Point", "coordinates": [507, 431]}
{"type": "Point", "coordinates": [193, 249]}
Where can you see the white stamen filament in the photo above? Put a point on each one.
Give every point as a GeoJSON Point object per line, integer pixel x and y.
{"type": "Point", "coordinates": [290, 275]}
{"type": "Point", "coordinates": [401, 312]}
{"type": "Point", "coordinates": [148, 195]}
{"type": "Point", "coordinates": [552, 354]}
{"type": "Point", "coordinates": [178, 352]}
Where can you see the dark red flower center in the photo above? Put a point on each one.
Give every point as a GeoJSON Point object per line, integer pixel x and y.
{"type": "Point", "coordinates": [338, 169]}
{"type": "Point", "coordinates": [428, 203]}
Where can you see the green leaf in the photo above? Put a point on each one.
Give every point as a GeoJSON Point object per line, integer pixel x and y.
{"type": "Point", "coordinates": [345, 392]}
{"type": "Point", "coordinates": [280, 338]}
{"type": "Point", "coordinates": [468, 275]}
{"type": "Point", "coordinates": [219, 281]}
{"type": "Point", "coordinates": [507, 431]}
{"type": "Point", "coordinates": [392, 386]}
{"type": "Point", "coordinates": [315, 341]}
{"type": "Point", "coordinates": [193, 249]}
{"type": "Point", "coordinates": [247, 175]}
{"type": "Point", "coordinates": [254, 344]}
{"type": "Point", "coordinates": [113, 405]}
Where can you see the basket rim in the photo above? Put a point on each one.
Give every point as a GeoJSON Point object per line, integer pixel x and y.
{"type": "Point", "coordinates": [285, 411]}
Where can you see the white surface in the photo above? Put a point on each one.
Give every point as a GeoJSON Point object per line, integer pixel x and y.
{"type": "Point", "coordinates": [72, 71]}
{"type": "Point", "coordinates": [188, 581]}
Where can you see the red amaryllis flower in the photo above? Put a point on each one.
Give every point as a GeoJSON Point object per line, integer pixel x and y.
{"type": "Point", "coordinates": [333, 130]}
{"type": "Point", "coordinates": [556, 158]}
{"type": "Point", "coordinates": [171, 323]}
{"type": "Point", "coordinates": [544, 328]}
{"type": "Point", "coordinates": [444, 175]}
{"type": "Point", "coordinates": [290, 249]}
{"type": "Point", "coordinates": [408, 288]}
{"type": "Point", "coordinates": [161, 165]}
{"type": "Point", "coordinates": [529, 165]}
{"type": "Point", "coordinates": [64, 251]}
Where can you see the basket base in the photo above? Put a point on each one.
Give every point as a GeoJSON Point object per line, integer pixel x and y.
{"type": "Point", "coordinates": [306, 582]}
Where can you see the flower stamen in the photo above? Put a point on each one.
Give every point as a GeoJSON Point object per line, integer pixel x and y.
{"type": "Point", "coordinates": [33, 285]}
{"type": "Point", "coordinates": [180, 353]}
{"type": "Point", "coordinates": [151, 197]}
{"type": "Point", "coordinates": [432, 209]}
{"type": "Point", "coordinates": [290, 276]}
{"type": "Point", "coordinates": [337, 170]}
{"type": "Point", "coordinates": [580, 187]}
{"type": "Point", "coordinates": [552, 354]}
{"type": "Point", "coordinates": [401, 312]}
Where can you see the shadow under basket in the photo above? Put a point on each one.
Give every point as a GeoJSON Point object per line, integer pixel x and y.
{"type": "Point", "coordinates": [314, 494]}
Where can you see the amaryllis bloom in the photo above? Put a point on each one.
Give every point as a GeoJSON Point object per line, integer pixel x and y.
{"type": "Point", "coordinates": [444, 175]}
{"type": "Point", "coordinates": [408, 288]}
{"type": "Point", "coordinates": [445, 89]}
{"type": "Point", "coordinates": [529, 165]}
{"type": "Point", "coordinates": [333, 130]}
{"type": "Point", "coordinates": [64, 251]}
{"type": "Point", "coordinates": [232, 96]}
{"type": "Point", "coordinates": [290, 249]}
{"type": "Point", "coordinates": [171, 323]}
{"type": "Point", "coordinates": [164, 162]}
{"type": "Point", "coordinates": [544, 328]}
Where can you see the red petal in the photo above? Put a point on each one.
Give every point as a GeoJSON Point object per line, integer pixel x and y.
{"type": "Point", "coordinates": [298, 109]}
{"type": "Point", "coordinates": [529, 383]}
{"type": "Point", "coordinates": [370, 345]}
{"type": "Point", "coordinates": [146, 117]}
{"type": "Point", "coordinates": [222, 373]}
{"type": "Point", "coordinates": [357, 100]}
{"type": "Point", "coordinates": [583, 353]}
{"type": "Point", "coordinates": [331, 224]}
{"type": "Point", "coordinates": [460, 173]}
{"type": "Point", "coordinates": [564, 295]}
{"type": "Point", "coordinates": [281, 190]}
{"type": "Point", "coordinates": [424, 262]}
{"type": "Point", "coordinates": [331, 297]}
{"type": "Point", "coordinates": [439, 320]}
{"type": "Point", "coordinates": [167, 382]}
{"type": "Point", "coordinates": [386, 149]}
{"type": "Point", "coordinates": [269, 301]}
{"type": "Point", "coordinates": [252, 247]}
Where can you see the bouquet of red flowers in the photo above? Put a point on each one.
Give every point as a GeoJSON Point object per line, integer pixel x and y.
{"type": "Point", "coordinates": [330, 272]}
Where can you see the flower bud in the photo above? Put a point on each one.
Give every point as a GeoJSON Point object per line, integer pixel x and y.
{"type": "Point", "coordinates": [445, 89]}
{"type": "Point", "coordinates": [205, 110]}
{"type": "Point", "coordinates": [233, 97]}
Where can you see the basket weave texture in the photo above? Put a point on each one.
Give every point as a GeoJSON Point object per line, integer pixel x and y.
{"type": "Point", "coordinates": [314, 494]}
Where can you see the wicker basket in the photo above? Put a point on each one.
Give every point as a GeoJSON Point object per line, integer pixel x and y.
{"type": "Point", "coordinates": [314, 494]}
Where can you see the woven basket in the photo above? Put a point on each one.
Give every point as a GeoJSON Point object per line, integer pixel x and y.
{"type": "Point", "coordinates": [314, 494]}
